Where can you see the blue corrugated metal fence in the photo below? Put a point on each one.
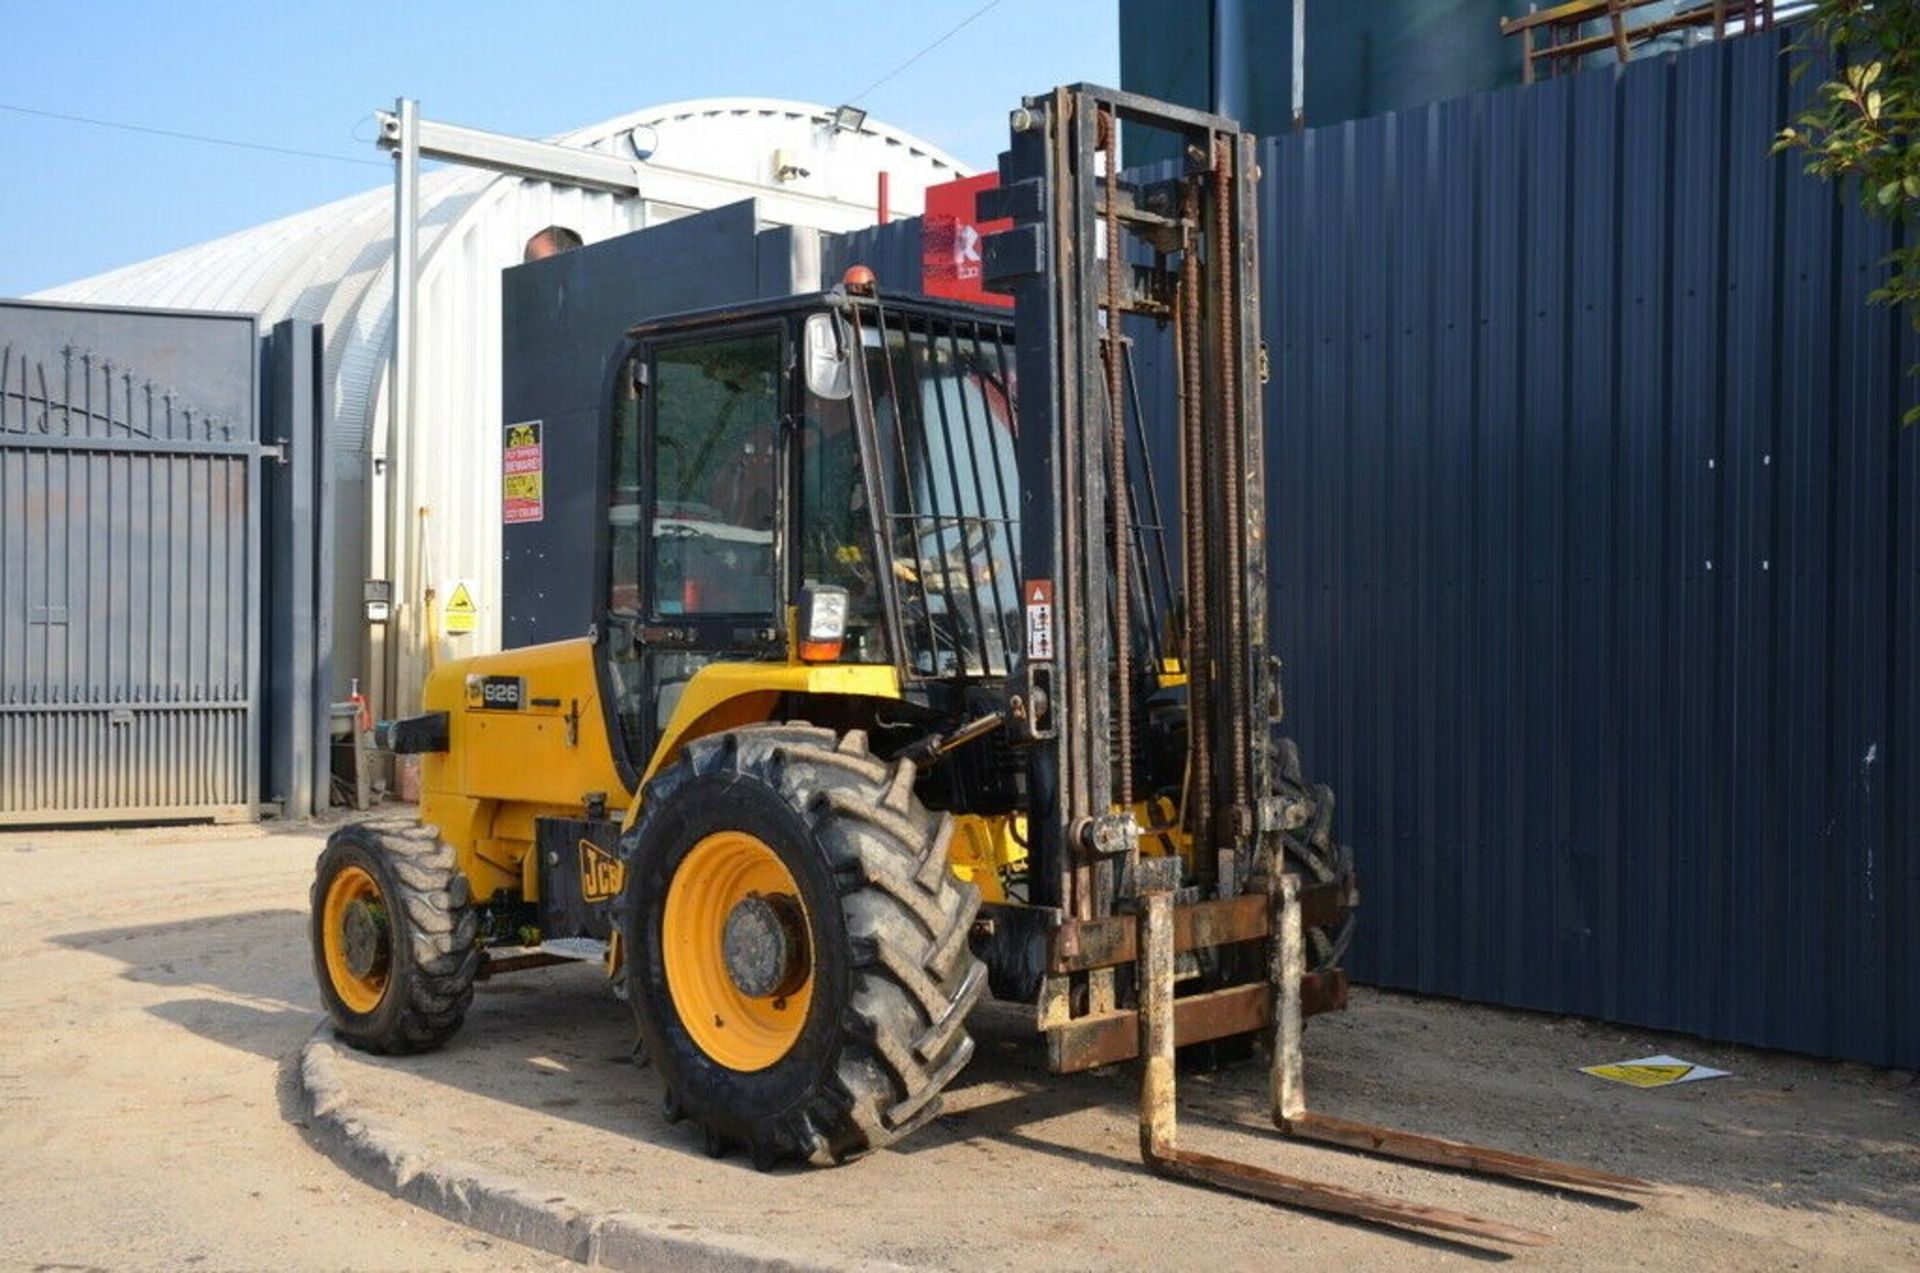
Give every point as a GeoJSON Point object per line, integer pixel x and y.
{"type": "Point", "coordinates": [1598, 554]}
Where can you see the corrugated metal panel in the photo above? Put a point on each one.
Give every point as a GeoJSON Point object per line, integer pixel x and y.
{"type": "Point", "coordinates": [129, 525]}
{"type": "Point", "coordinates": [1597, 554]}
{"type": "Point", "coordinates": [891, 251]}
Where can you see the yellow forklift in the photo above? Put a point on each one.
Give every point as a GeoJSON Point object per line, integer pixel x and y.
{"type": "Point", "coordinates": [912, 678]}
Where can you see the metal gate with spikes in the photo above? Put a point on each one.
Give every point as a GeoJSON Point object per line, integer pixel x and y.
{"type": "Point", "coordinates": [130, 631]}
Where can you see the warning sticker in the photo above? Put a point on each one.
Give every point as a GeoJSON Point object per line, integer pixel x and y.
{"type": "Point", "coordinates": [1653, 1071]}
{"type": "Point", "coordinates": [1039, 595]}
{"type": "Point", "coordinates": [461, 616]}
{"type": "Point", "coordinates": [522, 474]}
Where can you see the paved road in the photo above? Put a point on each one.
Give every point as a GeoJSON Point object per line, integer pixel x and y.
{"type": "Point", "coordinates": [154, 984]}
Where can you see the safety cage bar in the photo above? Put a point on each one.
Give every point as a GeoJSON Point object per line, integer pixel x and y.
{"type": "Point", "coordinates": [938, 405]}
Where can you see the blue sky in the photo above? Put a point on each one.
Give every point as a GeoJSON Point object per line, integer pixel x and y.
{"type": "Point", "coordinates": [79, 199]}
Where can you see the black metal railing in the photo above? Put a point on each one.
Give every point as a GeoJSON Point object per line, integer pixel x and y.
{"type": "Point", "coordinates": [938, 393]}
{"type": "Point", "coordinates": [88, 395]}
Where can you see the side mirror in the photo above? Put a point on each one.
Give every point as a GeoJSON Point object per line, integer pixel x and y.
{"type": "Point", "coordinates": [829, 373]}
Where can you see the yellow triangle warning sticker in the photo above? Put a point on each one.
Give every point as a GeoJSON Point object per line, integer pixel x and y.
{"type": "Point", "coordinates": [1641, 1075]}
{"type": "Point", "coordinates": [461, 614]}
{"type": "Point", "coordinates": [1654, 1071]}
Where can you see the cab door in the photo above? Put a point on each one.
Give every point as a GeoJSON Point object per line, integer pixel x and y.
{"type": "Point", "coordinates": [698, 501]}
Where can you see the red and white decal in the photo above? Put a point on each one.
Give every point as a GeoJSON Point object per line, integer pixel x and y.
{"type": "Point", "coordinates": [1039, 595]}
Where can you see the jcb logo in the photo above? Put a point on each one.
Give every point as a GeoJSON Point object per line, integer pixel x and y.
{"type": "Point", "coordinates": [495, 693]}
{"type": "Point", "coordinates": [601, 874]}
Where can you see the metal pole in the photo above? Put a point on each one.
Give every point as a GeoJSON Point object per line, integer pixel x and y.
{"type": "Point", "coordinates": [1299, 65]}
{"type": "Point", "coordinates": [1230, 61]}
{"type": "Point", "coordinates": [400, 402]}
{"type": "Point", "coordinates": [397, 554]}
{"type": "Point", "coordinates": [1616, 18]}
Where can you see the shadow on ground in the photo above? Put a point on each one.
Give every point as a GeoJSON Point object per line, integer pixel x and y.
{"type": "Point", "coordinates": [1788, 1131]}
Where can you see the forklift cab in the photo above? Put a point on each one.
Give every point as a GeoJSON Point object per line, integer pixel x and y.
{"type": "Point", "coordinates": [835, 445]}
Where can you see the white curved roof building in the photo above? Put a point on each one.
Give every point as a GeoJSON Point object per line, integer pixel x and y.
{"type": "Point", "coordinates": [333, 265]}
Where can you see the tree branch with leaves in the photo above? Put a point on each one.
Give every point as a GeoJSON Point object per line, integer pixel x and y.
{"type": "Point", "coordinates": [1865, 124]}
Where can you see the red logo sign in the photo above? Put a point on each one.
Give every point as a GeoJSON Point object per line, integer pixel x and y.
{"type": "Point", "coordinates": [951, 241]}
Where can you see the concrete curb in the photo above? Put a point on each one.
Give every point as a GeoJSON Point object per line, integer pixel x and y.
{"type": "Point", "coordinates": [500, 1205]}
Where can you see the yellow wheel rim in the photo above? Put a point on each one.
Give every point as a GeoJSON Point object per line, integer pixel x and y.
{"type": "Point", "coordinates": [740, 1031]}
{"type": "Point", "coordinates": [360, 992]}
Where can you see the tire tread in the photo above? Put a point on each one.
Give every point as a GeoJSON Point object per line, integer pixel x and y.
{"type": "Point", "coordinates": [433, 900]}
{"type": "Point", "coordinates": [907, 920]}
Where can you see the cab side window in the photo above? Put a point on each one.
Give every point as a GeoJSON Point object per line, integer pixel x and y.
{"type": "Point", "coordinates": [716, 475]}
{"type": "Point", "coordinates": [693, 512]}
{"type": "Point", "coordinates": [836, 536]}
{"type": "Point", "coordinates": [625, 498]}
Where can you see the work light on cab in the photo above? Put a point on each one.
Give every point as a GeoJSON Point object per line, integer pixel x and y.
{"type": "Point", "coordinates": [823, 623]}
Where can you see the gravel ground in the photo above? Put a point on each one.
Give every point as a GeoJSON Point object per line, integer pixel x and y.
{"type": "Point", "coordinates": [159, 981]}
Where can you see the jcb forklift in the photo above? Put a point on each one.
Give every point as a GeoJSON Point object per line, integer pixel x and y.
{"type": "Point", "coordinates": [913, 678]}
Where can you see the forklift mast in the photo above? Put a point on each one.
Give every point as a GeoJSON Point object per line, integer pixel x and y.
{"type": "Point", "coordinates": [1088, 248]}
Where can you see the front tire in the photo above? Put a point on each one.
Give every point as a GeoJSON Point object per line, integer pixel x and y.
{"type": "Point", "coordinates": [392, 930]}
{"type": "Point", "coordinates": [846, 1046]}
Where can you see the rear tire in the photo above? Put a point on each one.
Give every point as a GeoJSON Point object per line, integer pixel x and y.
{"type": "Point", "coordinates": [414, 992]}
{"type": "Point", "coordinates": [1313, 851]}
{"type": "Point", "coordinates": [890, 976]}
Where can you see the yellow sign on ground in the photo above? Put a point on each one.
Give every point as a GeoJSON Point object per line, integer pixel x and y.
{"type": "Point", "coordinates": [461, 614]}
{"type": "Point", "coordinates": [1641, 1075]}
{"type": "Point", "coordinates": [1653, 1071]}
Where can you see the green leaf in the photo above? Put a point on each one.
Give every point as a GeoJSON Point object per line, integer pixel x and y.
{"type": "Point", "coordinates": [1862, 129]}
